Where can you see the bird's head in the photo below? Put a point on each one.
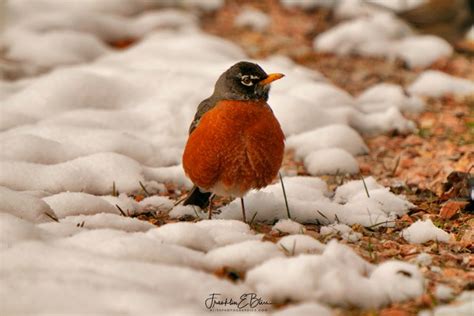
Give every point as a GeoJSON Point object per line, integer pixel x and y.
{"type": "Point", "coordinates": [244, 81]}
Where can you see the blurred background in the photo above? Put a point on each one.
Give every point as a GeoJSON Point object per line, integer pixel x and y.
{"type": "Point", "coordinates": [262, 28]}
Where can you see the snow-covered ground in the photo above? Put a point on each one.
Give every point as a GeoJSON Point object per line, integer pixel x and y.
{"type": "Point", "coordinates": [87, 120]}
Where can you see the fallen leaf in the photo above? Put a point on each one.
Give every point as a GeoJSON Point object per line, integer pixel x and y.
{"type": "Point", "coordinates": [450, 208]}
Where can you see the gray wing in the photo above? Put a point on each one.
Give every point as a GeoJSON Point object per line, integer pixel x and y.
{"type": "Point", "coordinates": [203, 107]}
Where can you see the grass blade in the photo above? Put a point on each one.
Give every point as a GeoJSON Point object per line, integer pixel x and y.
{"type": "Point", "coordinates": [284, 195]}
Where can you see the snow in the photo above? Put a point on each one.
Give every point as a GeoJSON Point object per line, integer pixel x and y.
{"type": "Point", "coordinates": [319, 278]}
{"type": "Point", "coordinates": [435, 83]}
{"type": "Point", "coordinates": [226, 232]}
{"type": "Point", "coordinates": [332, 136]}
{"type": "Point", "coordinates": [173, 174]}
{"type": "Point", "coordinates": [65, 37]}
{"type": "Point", "coordinates": [128, 205]}
{"type": "Point", "coordinates": [288, 226]}
{"type": "Point", "coordinates": [14, 229]}
{"type": "Point", "coordinates": [470, 34]}
{"type": "Point", "coordinates": [345, 231]}
{"type": "Point", "coordinates": [356, 8]}
{"type": "Point", "coordinates": [181, 211]}
{"type": "Point", "coordinates": [422, 231]}
{"type": "Point", "coordinates": [305, 309]}
{"type": "Point", "coordinates": [24, 206]}
{"type": "Point", "coordinates": [423, 259]}
{"type": "Point", "coordinates": [75, 203]}
{"type": "Point", "coordinates": [444, 293]}
{"type": "Point", "coordinates": [113, 221]}
{"type": "Point", "coordinates": [382, 34]}
{"type": "Point", "coordinates": [385, 95]}
{"type": "Point", "coordinates": [253, 19]}
{"type": "Point", "coordinates": [86, 282]}
{"type": "Point", "coordinates": [310, 204]}
{"type": "Point", "coordinates": [349, 190]}
{"type": "Point", "coordinates": [185, 234]}
{"type": "Point", "coordinates": [93, 174]}
{"type": "Point", "coordinates": [398, 280]}
{"type": "Point", "coordinates": [331, 161]}
{"type": "Point", "coordinates": [162, 202]}
{"type": "Point", "coordinates": [422, 50]}
{"type": "Point", "coordinates": [243, 256]}
{"type": "Point", "coordinates": [297, 244]}
{"type": "Point", "coordinates": [462, 306]}
{"type": "Point", "coordinates": [87, 121]}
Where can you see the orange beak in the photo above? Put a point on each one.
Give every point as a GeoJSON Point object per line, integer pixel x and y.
{"type": "Point", "coordinates": [271, 78]}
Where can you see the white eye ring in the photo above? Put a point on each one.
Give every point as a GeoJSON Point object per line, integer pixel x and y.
{"type": "Point", "coordinates": [246, 81]}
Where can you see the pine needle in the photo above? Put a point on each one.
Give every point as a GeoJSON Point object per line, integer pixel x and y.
{"type": "Point", "coordinates": [365, 186]}
{"type": "Point", "coordinates": [121, 211]}
{"type": "Point", "coordinates": [284, 195]}
{"type": "Point", "coordinates": [54, 218]}
{"type": "Point", "coordinates": [144, 189]}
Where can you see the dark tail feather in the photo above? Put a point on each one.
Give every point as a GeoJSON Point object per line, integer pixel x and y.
{"type": "Point", "coordinates": [198, 198]}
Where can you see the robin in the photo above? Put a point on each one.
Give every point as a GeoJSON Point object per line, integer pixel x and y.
{"type": "Point", "coordinates": [235, 142]}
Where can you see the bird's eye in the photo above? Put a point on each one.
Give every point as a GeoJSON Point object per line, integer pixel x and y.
{"type": "Point", "coordinates": [246, 81]}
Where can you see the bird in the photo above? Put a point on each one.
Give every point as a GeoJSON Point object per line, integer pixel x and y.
{"type": "Point", "coordinates": [235, 142]}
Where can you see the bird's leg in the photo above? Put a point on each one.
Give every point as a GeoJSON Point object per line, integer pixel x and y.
{"type": "Point", "coordinates": [209, 208]}
{"type": "Point", "coordinates": [243, 210]}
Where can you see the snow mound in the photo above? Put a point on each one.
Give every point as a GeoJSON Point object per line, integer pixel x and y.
{"type": "Point", "coordinates": [332, 136]}
{"type": "Point", "coordinates": [386, 95]}
{"type": "Point", "coordinates": [93, 174]}
{"type": "Point", "coordinates": [350, 189]}
{"type": "Point", "coordinates": [435, 83]}
{"type": "Point", "coordinates": [423, 259]}
{"type": "Point", "coordinates": [462, 306]}
{"type": "Point", "coordinates": [75, 203]}
{"type": "Point", "coordinates": [383, 34]}
{"type": "Point", "coordinates": [288, 226]}
{"type": "Point", "coordinates": [181, 211]}
{"type": "Point", "coordinates": [162, 202]}
{"type": "Point", "coordinates": [331, 161]}
{"type": "Point", "coordinates": [65, 37]}
{"type": "Point", "coordinates": [25, 206]}
{"type": "Point", "coordinates": [226, 232]}
{"type": "Point", "coordinates": [444, 293]}
{"type": "Point", "coordinates": [422, 231]}
{"type": "Point", "coordinates": [253, 19]}
{"type": "Point", "coordinates": [304, 309]}
{"type": "Point", "coordinates": [14, 229]}
{"type": "Point", "coordinates": [319, 278]}
{"type": "Point", "coordinates": [297, 244]}
{"type": "Point", "coordinates": [309, 204]}
{"type": "Point", "coordinates": [113, 221]}
{"type": "Point", "coordinates": [422, 50]}
{"type": "Point", "coordinates": [185, 234]}
{"type": "Point", "coordinates": [357, 8]}
{"type": "Point", "coordinates": [345, 231]}
{"type": "Point", "coordinates": [242, 256]}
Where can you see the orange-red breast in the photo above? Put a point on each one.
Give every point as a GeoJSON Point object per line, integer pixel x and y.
{"type": "Point", "coordinates": [235, 142]}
